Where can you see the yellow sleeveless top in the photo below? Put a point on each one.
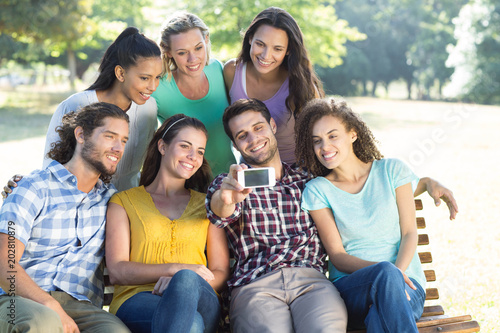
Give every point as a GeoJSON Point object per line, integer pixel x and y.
{"type": "Point", "coordinates": [155, 239]}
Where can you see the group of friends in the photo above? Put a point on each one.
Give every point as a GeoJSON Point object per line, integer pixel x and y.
{"type": "Point", "coordinates": [168, 232]}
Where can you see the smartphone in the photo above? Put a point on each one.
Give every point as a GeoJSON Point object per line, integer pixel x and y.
{"type": "Point", "coordinates": [257, 177]}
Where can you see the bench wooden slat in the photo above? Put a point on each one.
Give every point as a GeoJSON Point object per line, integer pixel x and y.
{"type": "Point", "coordinates": [431, 293]}
{"type": "Point", "coordinates": [423, 239]}
{"type": "Point", "coordinates": [430, 275]}
{"type": "Point", "coordinates": [433, 310]}
{"type": "Point", "coordinates": [420, 223]}
{"type": "Point", "coordinates": [441, 320]}
{"type": "Point", "coordinates": [465, 327]}
{"type": "Point", "coordinates": [418, 204]}
{"type": "Point", "coordinates": [425, 257]}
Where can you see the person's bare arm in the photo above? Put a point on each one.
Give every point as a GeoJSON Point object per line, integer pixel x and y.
{"type": "Point", "coordinates": [437, 192]}
{"type": "Point", "coordinates": [229, 71]}
{"type": "Point", "coordinates": [218, 257]}
{"type": "Point", "coordinates": [331, 240]}
{"type": "Point", "coordinates": [121, 270]}
{"type": "Point", "coordinates": [224, 200]}
{"type": "Point", "coordinates": [409, 236]}
{"type": "Point", "coordinates": [11, 251]}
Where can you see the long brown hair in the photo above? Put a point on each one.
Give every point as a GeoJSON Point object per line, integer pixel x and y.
{"type": "Point", "coordinates": [167, 132]}
{"type": "Point", "coordinates": [364, 147]}
{"type": "Point", "coordinates": [303, 82]}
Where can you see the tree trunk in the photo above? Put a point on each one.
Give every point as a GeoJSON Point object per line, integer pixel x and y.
{"type": "Point", "coordinates": [374, 88]}
{"type": "Point", "coordinates": [408, 87]}
{"type": "Point", "coordinates": [71, 67]}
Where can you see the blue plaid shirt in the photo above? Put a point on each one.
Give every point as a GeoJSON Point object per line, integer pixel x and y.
{"type": "Point", "coordinates": [62, 229]}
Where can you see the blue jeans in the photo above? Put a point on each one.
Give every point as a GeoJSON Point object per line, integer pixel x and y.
{"type": "Point", "coordinates": [375, 298]}
{"type": "Point", "coordinates": [189, 304]}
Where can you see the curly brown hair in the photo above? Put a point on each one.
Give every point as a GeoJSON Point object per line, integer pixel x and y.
{"type": "Point", "coordinates": [88, 118]}
{"type": "Point", "coordinates": [365, 146]}
{"type": "Point", "coordinates": [167, 132]}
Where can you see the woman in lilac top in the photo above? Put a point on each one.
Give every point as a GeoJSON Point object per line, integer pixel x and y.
{"type": "Point", "coordinates": [273, 66]}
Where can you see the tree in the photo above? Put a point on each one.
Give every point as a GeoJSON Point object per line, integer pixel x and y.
{"type": "Point", "coordinates": [53, 24]}
{"type": "Point", "coordinates": [389, 27]}
{"type": "Point", "coordinates": [429, 52]}
{"type": "Point", "coordinates": [475, 57]}
{"type": "Point", "coordinates": [69, 27]}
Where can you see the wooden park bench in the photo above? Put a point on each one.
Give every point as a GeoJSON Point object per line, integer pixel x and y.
{"type": "Point", "coordinates": [433, 319]}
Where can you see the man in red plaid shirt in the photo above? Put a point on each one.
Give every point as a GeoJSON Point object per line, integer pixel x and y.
{"type": "Point", "coordinates": [278, 283]}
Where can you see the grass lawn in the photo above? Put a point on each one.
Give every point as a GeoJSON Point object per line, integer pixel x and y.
{"type": "Point", "coordinates": [26, 114]}
{"type": "Point", "coordinates": [454, 143]}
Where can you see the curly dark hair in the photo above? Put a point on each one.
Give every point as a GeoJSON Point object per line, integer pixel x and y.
{"type": "Point", "coordinates": [364, 147]}
{"type": "Point", "coordinates": [167, 132]}
{"type": "Point", "coordinates": [88, 118]}
{"type": "Point", "coordinates": [303, 82]}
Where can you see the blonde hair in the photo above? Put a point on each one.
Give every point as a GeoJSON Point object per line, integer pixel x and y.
{"type": "Point", "coordinates": [178, 23]}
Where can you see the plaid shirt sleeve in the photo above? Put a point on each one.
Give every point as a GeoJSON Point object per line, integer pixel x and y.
{"type": "Point", "coordinates": [215, 219]}
{"type": "Point", "coordinates": [22, 207]}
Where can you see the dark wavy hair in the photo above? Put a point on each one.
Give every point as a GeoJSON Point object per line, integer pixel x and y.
{"type": "Point", "coordinates": [167, 132]}
{"type": "Point", "coordinates": [364, 147]}
{"type": "Point", "coordinates": [241, 106]}
{"type": "Point", "coordinates": [88, 118]}
{"type": "Point", "coordinates": [303, 82]}
{"type": "Point", "coordinates": [125, 51]}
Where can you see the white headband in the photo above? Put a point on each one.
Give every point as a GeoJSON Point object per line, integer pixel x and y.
{"type": "Point", "coordinates": [169, 127]}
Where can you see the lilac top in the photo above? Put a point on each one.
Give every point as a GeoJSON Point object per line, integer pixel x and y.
{"type": "Point", "coordinates": [284, 119]}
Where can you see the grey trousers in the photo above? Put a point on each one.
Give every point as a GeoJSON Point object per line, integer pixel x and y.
{"type": "Point", "coordinates": [298, 300]}
{"type": "Point", "coordinates": [33, 317]}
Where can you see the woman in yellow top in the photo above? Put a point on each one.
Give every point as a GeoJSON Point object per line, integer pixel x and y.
{"type": "Point", "coordinates": [156, 236]}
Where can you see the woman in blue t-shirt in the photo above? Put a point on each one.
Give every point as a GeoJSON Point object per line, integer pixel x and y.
{"type": "Point", "coordinates": [364, 210]}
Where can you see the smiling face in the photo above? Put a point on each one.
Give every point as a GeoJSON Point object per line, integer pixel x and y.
{"type": "Point", "coordinates": [104, 148]}
{"type": "Point", "coordinates": [268, 48]}
{"type": "Point", "coordinates": [189, 51]}
{"type": "Point", "coordinates": [331, 142]}
{"type": "Point", "coordinates": [184, 155]}
{"type": "Point", "coordinates": [254, 138]}
{"type": "Point", "coordinates": [141, 80]}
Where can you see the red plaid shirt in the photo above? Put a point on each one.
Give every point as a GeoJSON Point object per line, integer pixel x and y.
{"type": "Point", "coordinates": [269, 230]}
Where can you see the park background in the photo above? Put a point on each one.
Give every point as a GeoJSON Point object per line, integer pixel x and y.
{"type": "Point", "coordinates": [424, 74]}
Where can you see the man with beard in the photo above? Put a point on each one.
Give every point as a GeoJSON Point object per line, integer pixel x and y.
{"type": "Point", "coordinates": [278, 284]}
{"type": "Point", "coordinates": [52, 230]}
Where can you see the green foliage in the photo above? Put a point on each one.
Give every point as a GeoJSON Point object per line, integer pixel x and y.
{"type": "Point", "coordinates": [324, 33]}
{"type": "Point", "coordinates": [52, 30]}
{"type": "Point", "coordinates": [484, 86]}
{"type": "Point", "coordinates": [405, 40]}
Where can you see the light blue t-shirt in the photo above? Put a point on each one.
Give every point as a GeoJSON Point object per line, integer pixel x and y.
{"type": "Point", "coordinates": [368, 221]}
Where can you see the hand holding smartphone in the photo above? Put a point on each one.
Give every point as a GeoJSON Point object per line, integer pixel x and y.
{"type": "Point", "coordinates": [257, 177]}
